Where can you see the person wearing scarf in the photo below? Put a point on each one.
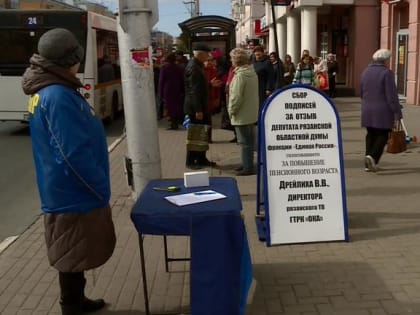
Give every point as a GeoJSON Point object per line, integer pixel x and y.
{"type": "Point", "coordinates": [72, 168]}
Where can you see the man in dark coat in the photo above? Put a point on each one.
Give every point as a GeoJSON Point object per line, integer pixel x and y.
{"type": "Point", "coordinates": [278, 70]}
{"type": "Point", "coordinates": [265, 73]}
{"type": "Point", "coordinates": [380, 106]}
{"type": "Point", "coordinates": [196, 107]}
{"type": "Point", "coordinates": [332, 66]}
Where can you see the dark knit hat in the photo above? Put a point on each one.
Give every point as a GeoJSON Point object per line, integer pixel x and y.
{"type": "Point", "coordinates": [61, 47]}
{"type": "Point", "coordinates": [201, 47]}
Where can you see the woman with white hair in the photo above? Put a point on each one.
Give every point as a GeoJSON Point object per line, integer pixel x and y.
{"type": "Point", "coordinates": [380, 106]}
{"type": "Point", "coordinates": [243, 107]}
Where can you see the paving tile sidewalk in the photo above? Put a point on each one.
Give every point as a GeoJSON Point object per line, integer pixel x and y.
{"type": "Point", "coordinates": [377, 272]}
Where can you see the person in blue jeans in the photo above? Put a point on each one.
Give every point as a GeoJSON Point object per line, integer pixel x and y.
{"type": "Point", "coordinates": [243, 108]}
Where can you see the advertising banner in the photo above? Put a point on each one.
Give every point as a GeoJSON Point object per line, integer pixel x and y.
{"type": "Point", "coordinates": [302, 168]}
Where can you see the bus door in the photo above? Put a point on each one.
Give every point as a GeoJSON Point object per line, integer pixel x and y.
{"type": "Point", "coordinates": [108, 91]}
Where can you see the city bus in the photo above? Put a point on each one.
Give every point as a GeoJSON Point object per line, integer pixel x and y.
{"type": "Point", "coordinates": [99, 72]}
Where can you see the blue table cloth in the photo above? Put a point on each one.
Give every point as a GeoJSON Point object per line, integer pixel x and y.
{"type": "Point", "coordinates": [221, 269]}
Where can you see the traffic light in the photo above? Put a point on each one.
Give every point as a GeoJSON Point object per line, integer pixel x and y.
{"type": "Point", "coordinates": [280, 2]}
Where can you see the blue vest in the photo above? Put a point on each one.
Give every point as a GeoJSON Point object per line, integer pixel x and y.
{"type": "Point", "coordinates": [70, 151]}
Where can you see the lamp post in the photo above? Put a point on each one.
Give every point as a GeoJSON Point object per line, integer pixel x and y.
{"type": "Point", "coordinates": [136, 18]}
{"type": "Point", "coordinates": [273, 16]}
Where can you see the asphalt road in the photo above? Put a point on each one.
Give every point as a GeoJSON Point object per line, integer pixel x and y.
{"type": "Point", "coordinates": [19, 201]}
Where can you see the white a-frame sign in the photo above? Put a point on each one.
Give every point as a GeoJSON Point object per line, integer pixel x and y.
{"type": "Point", "coordinates": [301, 189]}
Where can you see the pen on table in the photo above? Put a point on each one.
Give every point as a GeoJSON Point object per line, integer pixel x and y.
{"type": "Point", "coordinates": [169, 188]}
{"type": "Point", "coordinates": [199, 193]}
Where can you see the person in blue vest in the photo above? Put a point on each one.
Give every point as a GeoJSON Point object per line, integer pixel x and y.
{"type": "Point", "coordinates": [72, 168]}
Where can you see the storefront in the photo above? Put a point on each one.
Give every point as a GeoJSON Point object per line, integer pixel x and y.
{"type": "Point", "coordinates": [399, 33]}
{"type": "Point", "coordinates": [340, 27]}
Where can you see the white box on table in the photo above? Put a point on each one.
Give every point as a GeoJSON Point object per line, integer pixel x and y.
{"type": "Point", "coordinates": [196, 179]}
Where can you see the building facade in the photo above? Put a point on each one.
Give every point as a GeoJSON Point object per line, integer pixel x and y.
{"type": "Point", "coordinates": [400, 33]}
{"type": "Point", "coordinates": [247, 14]}
{"type": "Point", "coordinates": [350, 29]}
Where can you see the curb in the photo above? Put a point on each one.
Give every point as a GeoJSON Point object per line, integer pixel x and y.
{"type": "Point", "coordinates": [114, 144]}
{"type": "Point", "coordinates": [7, 242]}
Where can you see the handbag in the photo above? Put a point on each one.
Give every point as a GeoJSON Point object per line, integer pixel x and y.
{"type": "Point", "coordinates": [322, 81]}
{"type": "Point", "coordinates": [226, 120]}
{"type": "Point", "coordinates": [396, 139]}
{"type": "Point", "coordinates": [198, 137]}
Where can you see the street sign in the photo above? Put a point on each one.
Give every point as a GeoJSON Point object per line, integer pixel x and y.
{"type": "Point", "coordinates": [301, 163]}
{"type": "Point", "coordinates": [281, 2]}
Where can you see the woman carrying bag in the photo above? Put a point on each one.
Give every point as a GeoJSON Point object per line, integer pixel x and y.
{"type": "Point", "coordinates": [380, 106]}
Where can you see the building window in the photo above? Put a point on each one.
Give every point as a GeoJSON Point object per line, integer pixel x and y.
{"type": "Point", "coordinates": [323, 40]}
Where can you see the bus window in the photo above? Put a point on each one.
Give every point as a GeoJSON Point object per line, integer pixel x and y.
{"type": "Point", "coordinates": [108, 60]}
{"type": "Point", "coordinates": [21, 30]}
{"type": "Point", "coordinates": [21, 45]}
{"type": "Point", "coordinates": [106, 71]}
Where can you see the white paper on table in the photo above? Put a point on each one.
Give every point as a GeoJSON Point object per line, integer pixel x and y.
{"type": "Point", "coordinates": [196, 197]}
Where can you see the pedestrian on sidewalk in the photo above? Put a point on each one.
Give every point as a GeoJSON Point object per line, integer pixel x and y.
{"type": "Point", "coordinates": [171, 90]}
{"type": "Point", "coordinates": [289, 70]}
{"type": "Point", "coordinates": [265, 73]}
{"type": "Point", "coordinates": [305, 72]}
{"type": "Point", "coordinates": [380, 106]}
{"type": "Point", "coordinates": [243, 108]}
{"type": "Point", "coordinates": [278, 68]}
{"type": "Point", "coordinates": [332, 65]}
{"type": "Point", "coordinates": [72, 168]}
{"type": "Point", "coordinates": [226, 123]}
{"type": "Point", "coordinates": [196, 107]}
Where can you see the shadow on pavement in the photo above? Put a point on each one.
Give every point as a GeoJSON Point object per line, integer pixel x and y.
{"type": "Point", "coordinates": [128, 312]}
{"type": "Point", "coordinates": [137, 312]}
{"type": "Point", "coordinates": [21, 130]}
{"type": "Point", "coordinates": [366, 226]}
{"type": "Point", "coordinates": [324, 288]}
{"type": "Point", "coordinates": [383, 191]}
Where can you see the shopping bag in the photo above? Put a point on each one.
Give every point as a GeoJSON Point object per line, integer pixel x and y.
{"type": "Point", "coordinates": [198, 137]}
{"type": "Point", "coordinates": [226, 120]}
{"type": "Point", "coordinates": [396, 139]}
{"type": "Point", "coordinates": [322, 81]}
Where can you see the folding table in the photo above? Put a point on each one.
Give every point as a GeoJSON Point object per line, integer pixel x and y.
{"type": "Point", "coordinates": [221, 269]}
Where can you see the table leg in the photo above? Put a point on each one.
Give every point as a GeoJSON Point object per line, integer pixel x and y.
{"type": "Point", "coordinates": [165, 247]}
{"type": "Point", "coordinates": [169, 259]}
{"type": "Point", "coordinates": [143, 271]}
